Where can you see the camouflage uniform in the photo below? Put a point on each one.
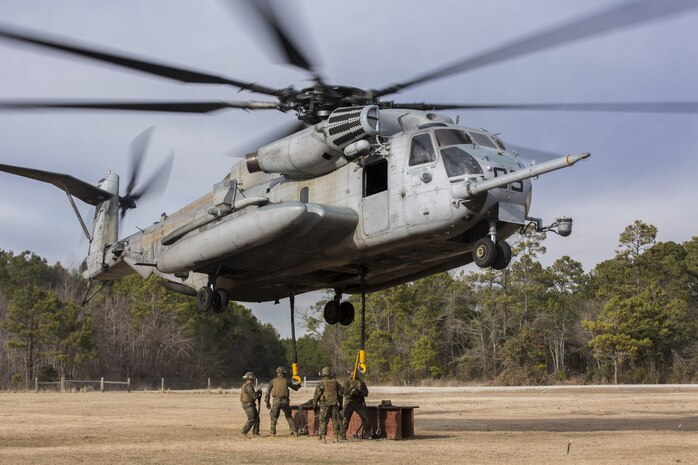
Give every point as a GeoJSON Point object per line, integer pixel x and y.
{"type": "Point", "coordinates": [278, 389]}
{"type": "Point", "coordinates": [354, 401]}
{"type": "Point", "coordinates": [328, 395]}
{"type": "Point", "coordinates": [248, 399]}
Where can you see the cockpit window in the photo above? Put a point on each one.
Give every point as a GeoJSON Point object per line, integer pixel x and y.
{"type": "Point", "coordinates": [483, 140]}
{"type": "Point", "coordinates": [422, 150]}
{"type": "Point", "coordinates": [458, 162]}
{"type": "Point", "coordinates": [446, 137]}
{"type": "Point", "coordinates": [499, 142]}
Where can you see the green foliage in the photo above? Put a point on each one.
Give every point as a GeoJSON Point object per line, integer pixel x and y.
{"type": "Point", "coordinates": [312, 355]}
{"type": "Point", "coordinates": [48, 373]}
{"type": "Point", "coordinates": [28, 322]}
{"type": "Point", "coordinates": [234, 342]}
{"type": "Point", "coordinates": [424, 358]}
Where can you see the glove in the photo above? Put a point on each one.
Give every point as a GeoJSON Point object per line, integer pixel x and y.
{"type": "Point", "coordinates": [268, 405]}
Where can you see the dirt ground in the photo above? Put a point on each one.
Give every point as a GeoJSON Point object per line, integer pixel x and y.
{"type": "Point", "coordinates": [647, 425]}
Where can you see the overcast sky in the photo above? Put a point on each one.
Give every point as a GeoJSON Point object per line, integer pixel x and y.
{"type": "Point", "coordinates": [642, 166]}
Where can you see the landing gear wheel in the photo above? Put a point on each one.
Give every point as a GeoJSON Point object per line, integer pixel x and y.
{"type": "Point", "coordinates": [223, 296]}
{"type": "Point", "coordinates": [346, 313]}
{"type": "Point", "coordinates": [331, 312]}
{"type": "Point", "coordinates": [503, 257]}
{"type": "Point", "coordinates": [219, 301]}
{"type": "Point", "coordinates": [484, 252]}
{"type": "Point", "coordinates": [204, 299]}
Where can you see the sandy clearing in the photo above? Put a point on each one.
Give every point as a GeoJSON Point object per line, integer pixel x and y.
{"type": "Point", "coordinates": [605, 425]}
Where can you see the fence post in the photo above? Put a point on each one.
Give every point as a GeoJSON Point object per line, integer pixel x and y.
{"type": "Point", "coordinates": [162, 384]}
{"type": "Point", "coordinates": [209, 385]}
{"type": "Point", "coordinates": [36, 384]}
{"type": "Point", "coordinates": [128, 384]}
{"type": "Point", "coordinates": [305, 382]}
{"type": "Point", "coordinates": [62, 383]}
{"type": "Point", "coordinates": [101, 384]}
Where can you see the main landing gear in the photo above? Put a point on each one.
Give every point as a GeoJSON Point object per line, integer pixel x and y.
{"type": "Point", "coordinates": [336, 312]}
{"type": "Point", "coordinates": [210, 298]}
{"type": "Point", "coordinates": [343, 313]}
{"type": "Point", "coordinates": [488, 251]}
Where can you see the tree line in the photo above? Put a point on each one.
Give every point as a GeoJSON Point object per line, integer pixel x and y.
{"type": "Point", "coordinates": [631, 319]}
{"type": "Point", "coordinates": [134, 328]}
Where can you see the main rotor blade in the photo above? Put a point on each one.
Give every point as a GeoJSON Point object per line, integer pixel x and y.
{"type": "Point", "coordinates": [147, 66]}
{"type": "Point", "coordinates": [269, 14]}
{"type": "Point", "coordinates": [618, 17]}
{"type": "Point", "coordinates": [620, 107]}
{"type": "Point", "coordinates": [170, 107]}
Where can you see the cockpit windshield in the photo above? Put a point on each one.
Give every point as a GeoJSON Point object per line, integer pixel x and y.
{"type": "Point", "coordinates": [458, 162]}
{"type": "Point", "coordinates": [483, 140]}
{"type": "Point", "coordinates": [446, 137]}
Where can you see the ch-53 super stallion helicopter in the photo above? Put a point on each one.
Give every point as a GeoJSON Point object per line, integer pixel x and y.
{"type": "Point", "coordinates": [362, 195]}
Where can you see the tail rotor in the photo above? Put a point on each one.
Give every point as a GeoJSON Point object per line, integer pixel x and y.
{"type": "Point", "coordinates": [154, 185]}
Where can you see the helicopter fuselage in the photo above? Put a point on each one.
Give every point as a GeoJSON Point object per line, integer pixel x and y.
{"type": "Point", "coordinates": [397, 212]}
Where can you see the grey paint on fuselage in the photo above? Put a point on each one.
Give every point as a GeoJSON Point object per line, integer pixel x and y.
{"type": "Point", "coordinates": [425, 227]}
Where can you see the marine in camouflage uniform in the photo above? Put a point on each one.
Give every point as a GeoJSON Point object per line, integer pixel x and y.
{"type": "Point", "coordinates": [355, 401]}
{"type": "Point", "coordinates": [279, 390]}
{"type": "Point", "coordinates": [328, 396]}
{"type": "Point", "coordinates": [248, 399]}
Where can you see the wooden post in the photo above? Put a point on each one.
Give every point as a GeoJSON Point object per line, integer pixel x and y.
{"type": "Point", "coordinates": [36, 384]}
{"type": "Point", "coordinates": [305, 382]}
{"type": "Point", "coordinates": [101, 384]}
{"type": "Point", "coordinates": [62, 383]}
{"type": "Point", "coordinates": [162, 384]}
{"type": "Point", "coordinates": [128, 384]}
{"type": "Point", "coordinates": [209, 385]}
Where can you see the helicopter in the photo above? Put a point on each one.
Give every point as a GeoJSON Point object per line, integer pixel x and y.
{"type": "Point", "coordinates": [363, 193]}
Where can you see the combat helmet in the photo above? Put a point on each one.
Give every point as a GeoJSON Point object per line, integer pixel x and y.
{"type": "Point", "coordinates": [281, 371]}
{"type": "Point", "coordinates": [326, 371]}
{"type": "Point", "coordinates": [248, 375]}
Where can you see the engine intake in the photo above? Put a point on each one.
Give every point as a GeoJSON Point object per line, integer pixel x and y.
{"type": "Point", "coordinates": [319, 149]}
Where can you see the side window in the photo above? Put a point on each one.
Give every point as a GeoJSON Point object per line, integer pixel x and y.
{"type": "Point", "coordinates": [375, 177]}
{"type": "Point", "coordinates": [483, 140]}
{"type": "Point", "coordinates": [422, 150]}
{"type": "Point", "coordinates": [303, 197]}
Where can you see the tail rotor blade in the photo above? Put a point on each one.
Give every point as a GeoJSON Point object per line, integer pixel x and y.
{"type": "Point", "coordinates": [138, 148]}
{"type": "Point", "coordinates": [157, 182]}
